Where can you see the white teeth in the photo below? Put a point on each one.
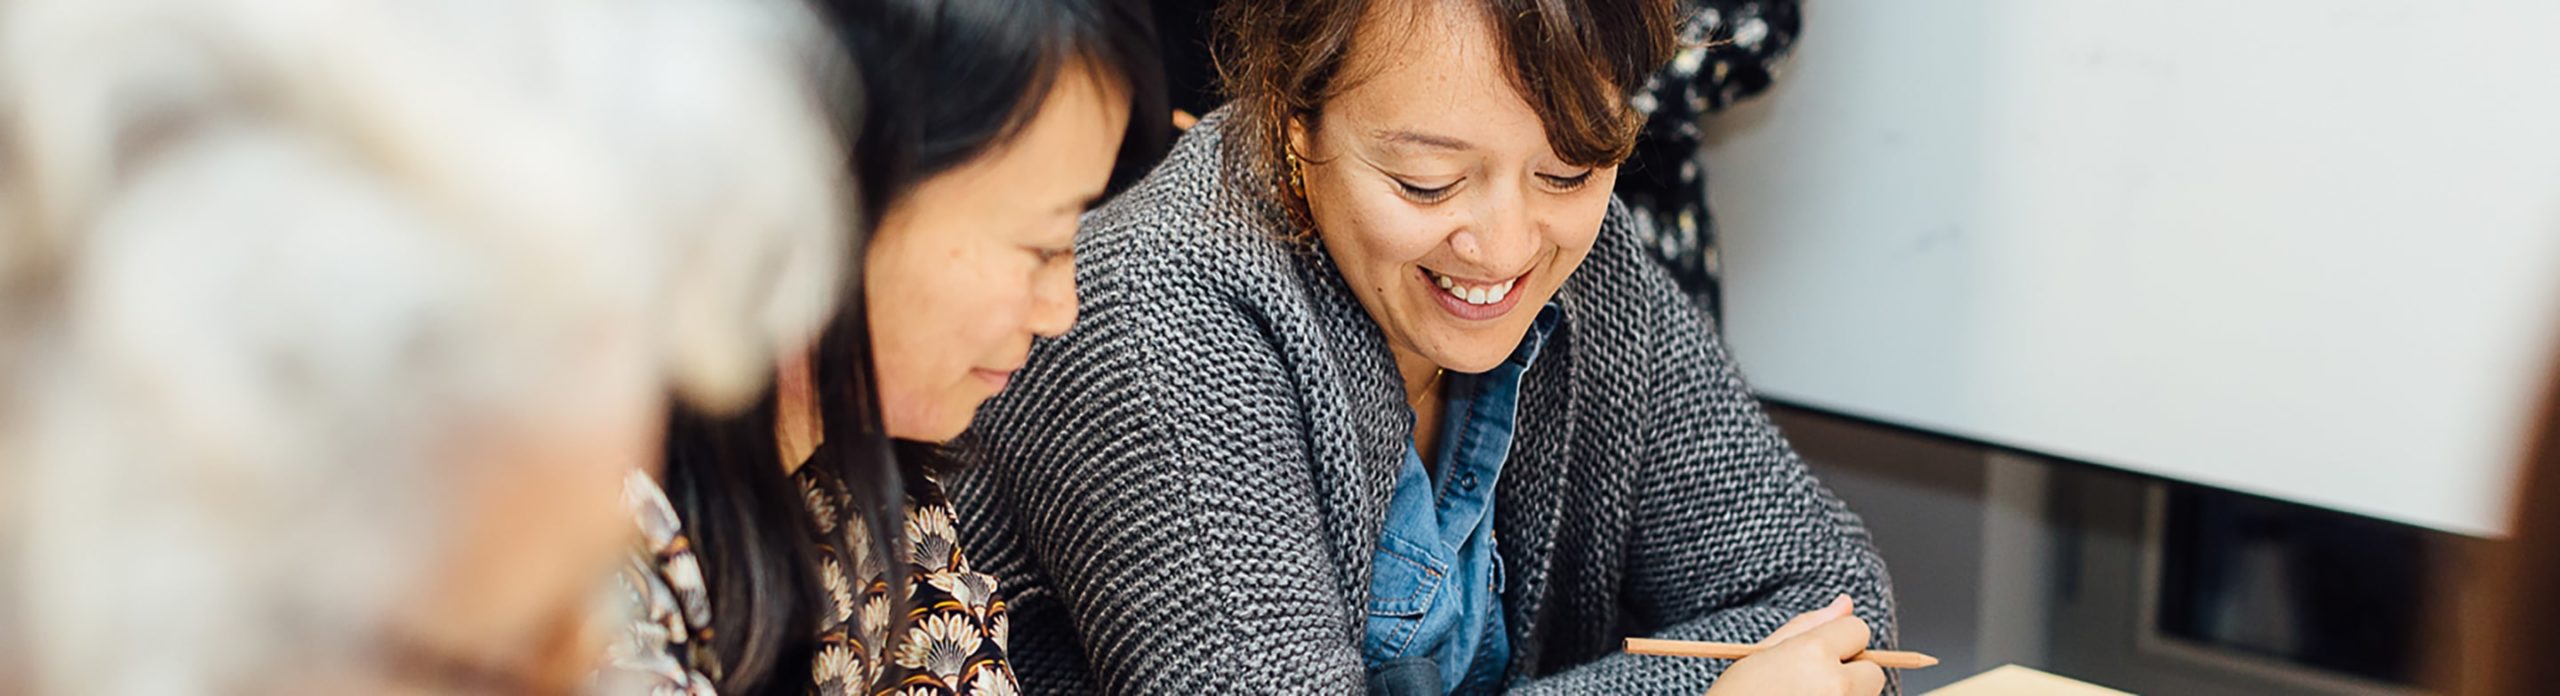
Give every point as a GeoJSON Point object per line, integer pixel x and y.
{"type": "Point", "coordinates": [1475, 295]}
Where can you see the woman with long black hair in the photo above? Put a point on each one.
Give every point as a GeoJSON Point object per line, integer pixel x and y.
{"type": "Point", "coordinates": [981, 130]}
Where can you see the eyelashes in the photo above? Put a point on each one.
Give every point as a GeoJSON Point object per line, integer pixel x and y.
{"type": "Point", "coordinates": [1428, 195]}
{"type": "Point", "coordinates": [1568, 183]}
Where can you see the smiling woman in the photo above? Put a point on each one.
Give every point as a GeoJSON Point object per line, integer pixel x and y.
{"type": "Point", "coordinates": [803, 545]}
{"type": "Point", "coordinates": [1375, 390]}
{"type": "Point", "coordinates": [1437, 216]}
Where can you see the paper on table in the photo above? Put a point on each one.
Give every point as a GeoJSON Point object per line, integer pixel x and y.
{"type": "Point", "coordinates": [2013, 680]}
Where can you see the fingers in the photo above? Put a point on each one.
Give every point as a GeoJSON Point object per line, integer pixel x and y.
{"type": "Point", "coordinates": [1841, 638]}
{"type": "Point", "coordinates": [1863, 678]}
{"type": "Point", "coordinates": [1840, 606]}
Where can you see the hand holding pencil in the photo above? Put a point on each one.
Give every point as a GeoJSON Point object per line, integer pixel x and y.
{"type": "Point", "coordinates": [1821, 652]}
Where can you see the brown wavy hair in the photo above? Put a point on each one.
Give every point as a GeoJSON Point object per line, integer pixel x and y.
{"type": "Point", "coordinates": [1575, 61]}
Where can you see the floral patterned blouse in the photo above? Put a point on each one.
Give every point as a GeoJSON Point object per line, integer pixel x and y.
{"type": "Point", "coordinates": [1730, 51]}
{"type": "Point", "coordinates": [953, 640]}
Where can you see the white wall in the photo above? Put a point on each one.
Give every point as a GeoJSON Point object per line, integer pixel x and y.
{"type": "Point", "coordinates": [2302, 248]}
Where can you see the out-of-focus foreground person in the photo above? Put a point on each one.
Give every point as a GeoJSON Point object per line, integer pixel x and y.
{"type": "Point", "coordinates": [2516, 606]}
{"type": "Point", "coordinates": [330, 329]}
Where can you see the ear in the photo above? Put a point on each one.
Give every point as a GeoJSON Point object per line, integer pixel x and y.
{"type": "Point", "coordinates": [1300, 138]}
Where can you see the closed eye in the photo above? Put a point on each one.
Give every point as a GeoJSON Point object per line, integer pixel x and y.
{"type": "Point", "coordinates": [1568, 183]}
{"type": "Point", "coordinates": [1426, 195]}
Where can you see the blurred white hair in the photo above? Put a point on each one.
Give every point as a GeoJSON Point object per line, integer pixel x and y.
{"type": "Point", "coordinates": [265, 264]}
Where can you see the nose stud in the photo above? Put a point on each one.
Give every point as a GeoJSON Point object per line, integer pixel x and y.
{"type": "Point", "coordinates": [1465, 245]}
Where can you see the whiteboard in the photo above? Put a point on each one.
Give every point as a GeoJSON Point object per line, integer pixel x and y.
{"type": "Point", "coordinates": [2308, 249]}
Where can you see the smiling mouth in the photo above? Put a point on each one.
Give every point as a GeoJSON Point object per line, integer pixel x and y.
{"type": "Point", "coordinates": [1474, 292]}
{"type": "Point", "coordinates": [998, 378]}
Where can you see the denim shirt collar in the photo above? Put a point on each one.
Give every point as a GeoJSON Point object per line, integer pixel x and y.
{"type": "Point", "coordinates": [1436, 617]}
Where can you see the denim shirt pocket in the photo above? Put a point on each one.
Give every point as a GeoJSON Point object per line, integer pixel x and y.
{"type": "Point", "coordinates": [1403, 584]}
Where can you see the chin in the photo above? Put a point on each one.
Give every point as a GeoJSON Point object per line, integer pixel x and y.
{"type": "Point", "coordinates": [1479, 350]}
{"type": "Point", "coordinates": [1473, 360]}
{"type": "Point", "coordinates": [924, 424]}
{"type": "Point", "coordinates": [937, 433]}
{"type": "Point", "coordinates": [942, 426]}
{"type": "Point", "coordinates": [1473, 367]}
{"type": "Point", "coordinates": [945, 434]}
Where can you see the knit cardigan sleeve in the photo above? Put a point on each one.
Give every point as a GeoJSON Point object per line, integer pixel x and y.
{"type": "Point", "coordinates": [1729, 534]}
{"type": "Point", "coordinates": [1158, 477]}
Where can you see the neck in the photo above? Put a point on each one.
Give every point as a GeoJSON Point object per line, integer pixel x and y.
{"type": "Point", "coordinates": [1421, 382]}
{"type": "Point", "coordinates": [1420, 375]}
{"type": "Point", "coordinates": [796, 425]}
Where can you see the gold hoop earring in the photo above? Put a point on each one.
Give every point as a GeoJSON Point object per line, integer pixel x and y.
{"type": "Point", "coordinates": [1297, 175]}
{"type": "Point", "coordinates": [1294, 200]}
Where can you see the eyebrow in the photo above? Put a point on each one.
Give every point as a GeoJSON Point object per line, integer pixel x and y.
{"type": "Point", "coordinates": [1406, 137]}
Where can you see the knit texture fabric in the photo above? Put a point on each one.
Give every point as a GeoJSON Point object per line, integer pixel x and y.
{"type": "Point", "coordinates": [1183, 494]}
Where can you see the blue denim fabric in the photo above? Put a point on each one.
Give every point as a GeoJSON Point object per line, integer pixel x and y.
{"type": "Point", "coordinates": [1436, 590]}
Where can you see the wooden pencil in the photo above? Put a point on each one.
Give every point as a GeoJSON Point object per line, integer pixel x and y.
{"type": "Point", "coordinates": [1895, 659]}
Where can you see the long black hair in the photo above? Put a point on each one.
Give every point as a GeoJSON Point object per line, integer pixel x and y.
{"type": "Point", "coordinates": [940, 83]}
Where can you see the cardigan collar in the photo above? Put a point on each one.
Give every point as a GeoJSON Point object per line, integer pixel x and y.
{"type": "Point", "coordinates": [1356, 477]}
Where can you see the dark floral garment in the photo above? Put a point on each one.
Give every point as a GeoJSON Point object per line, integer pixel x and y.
{"type": "Point", "coordinates": [956, 629]}
{"type": "Point", "coordinates": [665, 646]}
{"type": "Point", "coordinates": [953, 641]}
{"type": "Point", "coordinates": [1729, 52]}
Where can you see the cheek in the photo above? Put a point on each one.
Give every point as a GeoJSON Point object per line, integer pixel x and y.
{"type": "Point", "coordinates": [936, 316]}
{"type": "Point", "coordinates": [561, 494]}
{"type": "Point", "coordinates": [1375, 234]}
{"type": "Point", "coordinates": [539, 511]}
{"type": "Point", "coordinates": [931, 394]}
{"type": "Point", "coordinates": [955, 311]}
{"type": "Point", "coordinates": [620, 430]}
{"type": "Point", "coordinates": [1575, 224]}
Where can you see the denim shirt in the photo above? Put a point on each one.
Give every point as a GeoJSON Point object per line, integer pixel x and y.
{"type": "Point", "coordinates": [1436, 591]}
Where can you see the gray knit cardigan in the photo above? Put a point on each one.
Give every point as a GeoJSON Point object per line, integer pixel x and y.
{"type": "Point", "coordinates": [1182, 494]}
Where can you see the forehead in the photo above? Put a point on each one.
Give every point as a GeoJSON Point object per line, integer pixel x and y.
{"type": "Point", "coordinates": [1083, 102]}
{"type": "Point", "coordinates": [1067, 147]}
{"type": "Point", "coordinates": [1433, 68]}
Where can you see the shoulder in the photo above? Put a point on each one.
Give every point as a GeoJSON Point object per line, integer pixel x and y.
{"type": "Point", "coordinates": [1183, 366]}
{"type": "Point", "coordinates": [1623, 308]}
{"type": "Point", "coordinates": [1192, 227]}
{"type": "Point", "coordinates": [1182, 278]}
{"type": "Point", "coordinates": [663, 645]}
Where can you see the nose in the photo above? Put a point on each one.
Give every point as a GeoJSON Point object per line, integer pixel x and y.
{"type": "Point", "coordinates": [1053, 299]}
{"type": "Point", "coordinates": [1501, 236]}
